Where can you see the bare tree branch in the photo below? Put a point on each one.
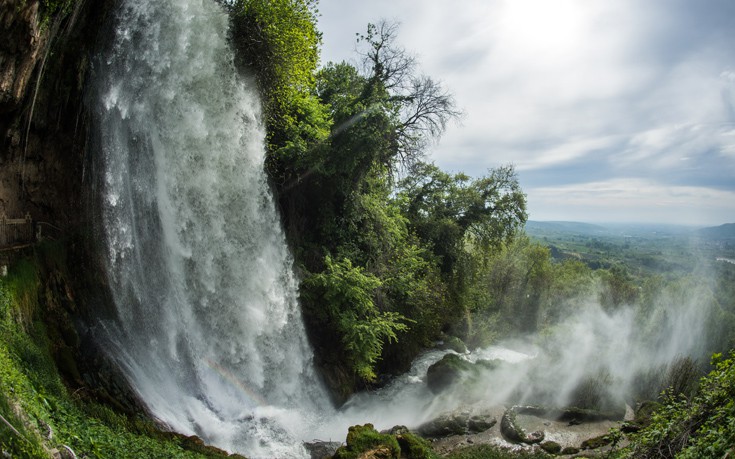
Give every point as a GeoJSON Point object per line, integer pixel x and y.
{"type": "Point", "coordinates": [422, 105]}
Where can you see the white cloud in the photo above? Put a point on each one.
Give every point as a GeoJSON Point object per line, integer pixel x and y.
{"type": "Point", "coordinates": [633, 200]}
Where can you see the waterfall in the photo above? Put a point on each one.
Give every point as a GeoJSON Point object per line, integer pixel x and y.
{"type": "Point", "coordinates": [208, 329]}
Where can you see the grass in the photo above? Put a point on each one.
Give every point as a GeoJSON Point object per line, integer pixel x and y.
{"type": "Point", "coordinates": [494, 452]}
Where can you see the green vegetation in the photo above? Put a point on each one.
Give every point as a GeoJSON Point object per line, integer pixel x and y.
{"type": "Point", "coordinates": [365, 441]}
{"type": "Point", "coordinates": [350, 310]}
{"type": "Point", "coordinates": [700, 426]}
{"type": "Point", "coordinates": [51, 9]}
{"type": "Point", "coordinates": [278, 42]}
{"type": "Point", "coordinates": [39, 410]}
{"type": "Point", "coordinates": [495, 452]}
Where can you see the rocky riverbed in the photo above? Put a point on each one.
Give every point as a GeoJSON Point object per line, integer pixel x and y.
{"type": "Point", "coordinates": [572, 434]}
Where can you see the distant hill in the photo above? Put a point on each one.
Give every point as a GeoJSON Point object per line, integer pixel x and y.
{"type": "Point", "coordinates": [535, 227]}
{"type": "Point", "coordinates": [638, 230]}
{"type": "Point", "coordinates": [726, 231]}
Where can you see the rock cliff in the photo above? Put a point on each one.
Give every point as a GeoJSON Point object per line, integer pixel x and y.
{"type": "Point", "coordinates": [44, 67]}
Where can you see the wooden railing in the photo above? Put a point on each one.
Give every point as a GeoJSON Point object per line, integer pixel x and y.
{"type": "Point", "coordinates": [16, 231]}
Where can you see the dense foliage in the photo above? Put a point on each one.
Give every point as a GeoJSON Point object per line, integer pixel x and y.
{"type": "Point", "coordinates": [395, 253]}
{"type": "Point", "coordinates": [701, 426]}
{"type": "Point", "coordinates": [278, 43]}
{"type": "Point", "coordinates": [349, 311]}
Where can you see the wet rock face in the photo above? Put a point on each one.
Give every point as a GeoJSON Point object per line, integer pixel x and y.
{"type": "Point", "coordinates": [20, 49]}
{"type": "Point", "coordinates": [44, 64]}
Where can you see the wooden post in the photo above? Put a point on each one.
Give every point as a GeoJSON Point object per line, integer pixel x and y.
{"type": "Point", "coordinates": [3, 230]}
{"type": "Point", "coordinates": [27, 233]}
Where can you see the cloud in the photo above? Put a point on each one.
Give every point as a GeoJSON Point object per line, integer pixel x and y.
{"type": "Point", "coordinates": [572, 91]}
{"type": "Point", "coordinates": [632, 200]}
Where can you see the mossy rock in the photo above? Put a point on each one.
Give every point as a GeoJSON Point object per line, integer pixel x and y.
{"type": "Point", "coordinates": [489, 365]}
{"type": "Point", "coordinates": [366, 442]}
{"type": "Point", "coordinates": [454, 343]}
{"type": "Point", "coordinates": [596, 442]}
{"type": "Point", "coordinates": [447, 372]}
{"type": "Point", "coordinates": [456, 424]}
{"type": "Point", "coordinates": [414, 447]}
{"type": "Point", "coordinates": [569, 450]}
{"type": "Point", "coordinates": [551, 447]}
{"type": "Point", "coordinates": [644, 412]}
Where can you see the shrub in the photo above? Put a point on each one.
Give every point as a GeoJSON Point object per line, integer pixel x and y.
{"type": "Point", "coordinates": [692, 427]}
{"type": "Point", "coordinates": [347, 295]}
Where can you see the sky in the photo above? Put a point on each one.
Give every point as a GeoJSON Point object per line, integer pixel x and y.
{"type": "Point", "coordinates": [610, 110]}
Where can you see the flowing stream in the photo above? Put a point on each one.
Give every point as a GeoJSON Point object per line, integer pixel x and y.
{"type": "Point", "coordinates": [209, 328]}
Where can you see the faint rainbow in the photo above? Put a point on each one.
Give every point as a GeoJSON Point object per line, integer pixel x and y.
{"type": "Point", "coordinates": [228, 376]}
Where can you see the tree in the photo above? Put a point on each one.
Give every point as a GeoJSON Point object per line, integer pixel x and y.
{"type": "Point", "coordinates": [422, 106]}
{"type": "Point", "coordinates": [445, 210]}
{"type": "Point", "coordinates": [277, 41]}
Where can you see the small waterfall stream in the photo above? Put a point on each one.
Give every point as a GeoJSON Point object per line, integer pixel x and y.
{"type": "Point", "coordinates": [209, 328]}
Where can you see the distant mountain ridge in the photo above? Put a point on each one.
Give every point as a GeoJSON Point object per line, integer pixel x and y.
{"type": "Point", "coordinates": [565, 227]}
{"type": "Point", "coordinates": [538, 228]}
{"type": "Point", "coordinates": [726, 231]}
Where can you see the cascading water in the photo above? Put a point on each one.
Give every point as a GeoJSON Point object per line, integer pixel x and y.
{"type": "Point", "coordinates": [209, 329]}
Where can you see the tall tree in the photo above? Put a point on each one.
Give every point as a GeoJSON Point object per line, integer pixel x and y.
{"type": "Point", "coordinates": [445, 209]}
{"type": "Point", "coordinates": [422, 106]}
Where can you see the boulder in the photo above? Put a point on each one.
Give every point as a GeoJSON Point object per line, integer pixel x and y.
{"type": "Point", "coordinates": [453, 343]}
{"type": "Point", "coordinates": [445, 426]}
{"type": "Point", "coordinates": [447, 372]}
{"type": "Point", "coordinates": [480, 423]}
{"type": "Point", "coordinates": [596, 442]}
{"type": "Point", "coordinates": [364, 442]}
{"type": "Point", "coordinates": [322, 449]}
{"type": "Point", "coordinates": [461, 423]}
{"type": "Point", "coordinates": [513, 432]}
{"type": "Point", "coordinates": [551, 447]}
